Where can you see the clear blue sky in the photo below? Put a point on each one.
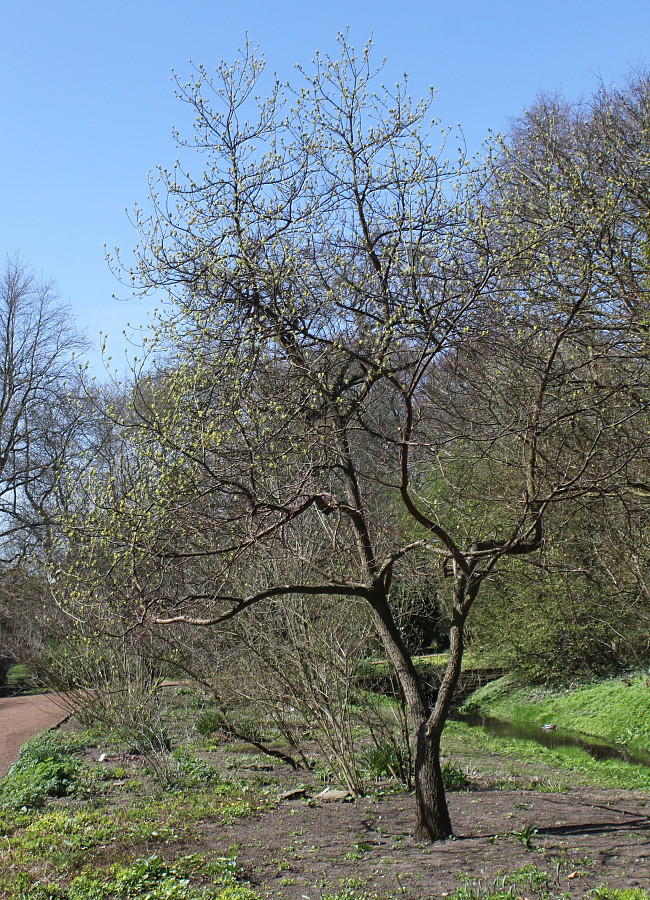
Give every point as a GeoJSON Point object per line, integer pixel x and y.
{"type": "Point", "coordinates": [87, 106]}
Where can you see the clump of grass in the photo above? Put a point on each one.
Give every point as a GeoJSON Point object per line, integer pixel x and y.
{"type": "Point", "coordinates": [387, 759]}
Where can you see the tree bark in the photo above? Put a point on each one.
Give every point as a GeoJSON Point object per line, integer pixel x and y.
{"type": "Point", "coordinates": [432, 819]}
{"type": "Point", "coordinates": [433, 822]}
{"type": "Point", "coordinates": [6, 662]}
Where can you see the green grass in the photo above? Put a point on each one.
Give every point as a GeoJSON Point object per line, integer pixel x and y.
{"type": "Point", "coordinates": [612, 708]}
{"type": "Point", "coordinates": [428, 662]}
{"type": "Point", "coordinates": [17, 674]}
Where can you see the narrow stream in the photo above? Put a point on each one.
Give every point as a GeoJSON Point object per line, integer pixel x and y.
{"type": "Point", "coordinates": [560, 737]}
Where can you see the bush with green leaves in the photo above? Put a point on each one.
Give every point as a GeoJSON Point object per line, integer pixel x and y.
{"type": "Point", "coordinates": [192, 771]}
{"type": "Point", "coordinates": [44, 768]}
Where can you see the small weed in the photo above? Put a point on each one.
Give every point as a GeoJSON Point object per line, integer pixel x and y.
{"type": "Point", "coordinates": [454, 778]}
{"type": "Point", "coordinates": [525, 836]}
{"type": "Point", "coordinates": [358, 849]}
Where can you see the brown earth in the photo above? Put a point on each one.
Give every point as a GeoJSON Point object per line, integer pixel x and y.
{"type": "Point", "coordinates": [582, 839]}
{"type": "Point", "coordinates": [21, 718]}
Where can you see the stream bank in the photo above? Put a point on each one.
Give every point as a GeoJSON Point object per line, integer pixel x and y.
{"type": "Point", "coordinates": [609, 717]}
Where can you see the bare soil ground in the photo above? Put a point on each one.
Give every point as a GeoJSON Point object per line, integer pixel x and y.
{"type": "Point", "coordinates": [305, 848]}
{"type": "Point", "coordinates": [21, 718]}
{"type": "Point", "coordinates": [583, 839]}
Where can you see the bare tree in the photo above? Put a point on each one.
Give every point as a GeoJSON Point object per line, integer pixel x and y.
{"type": "Point", "coordinates": [37, 430]}
{"type": "Point", "coordinates": [37, 346]}
{"type": "Point", "coordinates": [363, 338]}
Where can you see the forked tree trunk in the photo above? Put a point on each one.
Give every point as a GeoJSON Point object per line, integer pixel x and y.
{"type": "Point", "coordinates": [433, 822]}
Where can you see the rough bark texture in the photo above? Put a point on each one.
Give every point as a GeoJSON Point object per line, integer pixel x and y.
{"type": "Point", "coordinates": [432, 820]}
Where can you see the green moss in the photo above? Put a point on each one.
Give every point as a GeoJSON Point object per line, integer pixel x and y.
{"type": "Point", "coordinates": [613, 708]}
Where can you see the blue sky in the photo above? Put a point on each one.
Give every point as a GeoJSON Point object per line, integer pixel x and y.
{"type": "Point", "coordinates": [87, 106]}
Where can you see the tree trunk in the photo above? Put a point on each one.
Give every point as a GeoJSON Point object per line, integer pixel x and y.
{"type": "Point", "coordinates": [6, 662]}
{"type": "Point", "coordinates": [432, 820]}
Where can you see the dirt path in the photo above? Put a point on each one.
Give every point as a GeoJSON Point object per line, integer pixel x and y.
{"type": "Point", "coordinates": [21, 718]}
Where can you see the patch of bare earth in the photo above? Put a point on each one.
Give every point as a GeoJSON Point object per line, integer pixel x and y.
{"type": "Point", "coordinates": [304, 848]}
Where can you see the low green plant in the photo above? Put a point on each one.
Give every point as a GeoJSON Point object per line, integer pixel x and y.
{"type": "Point", "coordinates": [192, 771]}
{"type": "Point", "coordinates": [44, 768]}
{"type": "Point", "coordinates": [454, 778]}
{"type": "Point", "coordinates": [385, 760]}
{"type": "Point", "coordinates": [209, 722]}
{"type": "Point", "coordinates": [525, 835]}
{"type": "Point", "coordinates": [609, 893]}
{"type": "Point", "coordinates": [153, 878]}
{"type": "Point", "coordinates": [351, 889]}
{"type": "Point", "coordinates": [526, 881]}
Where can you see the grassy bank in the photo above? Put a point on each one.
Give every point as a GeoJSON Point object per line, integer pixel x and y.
{"type": "Point", "coordinates": [432, 662]}
{"type": "Point", "coordinates": [617, 709]}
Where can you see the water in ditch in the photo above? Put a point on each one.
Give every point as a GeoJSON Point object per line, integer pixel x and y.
{"type": "Point", "coordinates": [560, 737]}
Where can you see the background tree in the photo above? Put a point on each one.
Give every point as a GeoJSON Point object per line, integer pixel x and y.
{"type": "Point", "coordinates": [583, 168]}
{"type": "Point", "coordinates": [38, 427]}
{"type": "Point", "coordinates": [373, 359]}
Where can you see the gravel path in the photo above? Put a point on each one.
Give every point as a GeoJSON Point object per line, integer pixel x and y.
{"type": "Point", "coordinates": [22, 718]}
